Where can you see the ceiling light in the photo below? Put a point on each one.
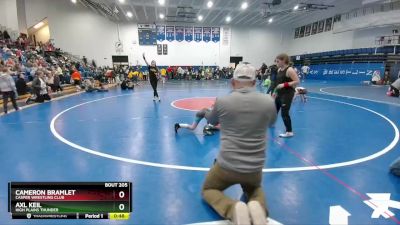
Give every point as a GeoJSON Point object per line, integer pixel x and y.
{"type": "Point", "coordinates": [161, 2]}
{"type": "Point", "coordinates": [162, 16]}
{"type": "Point", "coordinates": [271, 20]}
{"type": "Point", "coordinates": [73, 1]}
{"type": "Point", "coordinates": [210, 4]}
{"type": "Point", "coordinates": [121, 1]}
{"type": "Point", "coordinates": [296, 7]}
{"type": "Point", "coordinates": [39, 25]}
{"type": "Point", "coordinates": [129, 14]}
{"type": "Point", "coordinates": [245, 5]}
{"type": "Point", "coordinates": [228, 19]}
{"type": "Point", "coordinates": [200, 17]}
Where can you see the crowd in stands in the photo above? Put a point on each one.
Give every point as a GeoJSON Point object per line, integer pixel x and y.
{"type": "Point", "coordinates": [37, 70]}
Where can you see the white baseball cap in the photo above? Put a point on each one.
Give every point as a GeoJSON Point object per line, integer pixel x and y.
{"type": "Point", "coordinates": [244, 72]}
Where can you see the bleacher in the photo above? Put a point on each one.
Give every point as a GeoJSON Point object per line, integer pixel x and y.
{"type": "Point", "coordinates": [375, 54]}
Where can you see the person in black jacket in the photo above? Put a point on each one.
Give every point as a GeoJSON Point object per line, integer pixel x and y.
{"type": "Point", "coordinates": [22, 87]}
{"type": "Point", "coordinates": [6, 36]}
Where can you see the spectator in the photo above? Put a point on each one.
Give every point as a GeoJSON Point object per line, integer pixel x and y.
{"type": "Point", "coordinates": [180, 73]}
{"type": "Point", "coordinates": [56, 82]}
{"type": "Point", "coordinates": [39, 88]}
{"type": "Point", "coordinates": [163, 75]}
{"type": "Point", "coordinates": [376, 78]}
{"type": "Point", "coordinates": [6, 36]}
{"type": "Point", "coordinates": [8, 89]}
{"type": "Point", "coordinates": [76, 77]}
{"type": "Point", "coordinates": [386, 78]}
{"type": "Point", "coordinates": [22, 87]}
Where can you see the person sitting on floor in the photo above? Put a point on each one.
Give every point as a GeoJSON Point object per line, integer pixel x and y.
{"type": "Point", "coordinates": [127, 84]}
{"type": "Point", "coordinates": [376, 78]}
{"type": "Point", "coordinates": [40, 89]}
{"type": "Point", "coordinates": [89, 85]}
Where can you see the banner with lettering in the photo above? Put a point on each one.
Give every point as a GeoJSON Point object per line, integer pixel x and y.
{"type": "Point", "coordinates": [179, 33]}
{"type": "Point", "coordinates": [345, 72]}
{"type": "Point", "coordinates": [206, 34]}
{"type": "Point", "coordinates": [170, 33]}
{"type": "Point", "coordinates": [198, 34]}
{"type": "Point", "coordinates": [160, 32]}
{"type": "Point", "coordinates": [216, 34]}
{"type": "Point", "coordinates": [188, 34]}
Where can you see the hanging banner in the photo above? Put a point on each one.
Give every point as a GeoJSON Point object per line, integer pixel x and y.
{"type": "Point", "coordinates": [165, 49]}
{"type": "Point", "coordinates": [206, 34]}
{"type": "Point", "coordinates": [188, 34]}
{"type": "Point", "coordinates": [170, 33]}
{"type": "Point", "coordinates": [216, 34]}
{"type": "Point", "coordinates": [160, 32]}
{"type": "Point", "coordinates": [198, 31]}
{"type": "Point", "coordinates": [226, 38]}
{"type": "Point", "coordinates": [179, 33]}
{"type": "Point", "coordinates": [159, 49]}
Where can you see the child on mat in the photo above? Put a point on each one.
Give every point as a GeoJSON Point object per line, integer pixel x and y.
{"type": "Point", "coordinates": [204, 113]}
{"type": "Point", "coordinates": [302, 92]}
{"type": "Point", "coordinates": [394, 89]}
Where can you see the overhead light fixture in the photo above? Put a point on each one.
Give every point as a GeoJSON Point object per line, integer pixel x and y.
{"type": "Point", "coordinates": [200, 18]}
{"type": "Point", "coordinates": [228, 19]}
{"type": "Point", "coordinates": [39, 25]}
{"type": "Point", "coordinates": [210, 4]}
{"type": "Point", "coordinates": [296, 7]}
{"type": "Point", "coordinates": [161, 2]}
{"type": "Point", "coordinates": [73, 1]}
{"type": "Point", "coordinates": [162, 16]}
{"type": "Point", "coordinates": [121, 1]}
{"type": "Point", "coordinates": [129, 14]}
{"type": "Point", "coordinates": [271, 20]}
{"type": "Point", "coordinates": [244, 5]}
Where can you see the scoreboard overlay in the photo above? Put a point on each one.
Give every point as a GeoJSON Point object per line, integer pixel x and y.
{"type": "Point", "coordinates": [70, 200]}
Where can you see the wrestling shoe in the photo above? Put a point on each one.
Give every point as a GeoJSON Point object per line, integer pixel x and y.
{"type": "Point", "coordinates": [207, 131]}
{"type": "Point", "coordinates": [286, 135]}
{"type": "Point", "coordinates": [257, 213]}
{"type": "Point", "coordinates": [241, 214]}
{"type": "Point", "coordinates": [177, 126]}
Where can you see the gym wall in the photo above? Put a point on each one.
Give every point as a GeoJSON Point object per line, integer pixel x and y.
{"type": "Point", "coordinates": [82, 32]}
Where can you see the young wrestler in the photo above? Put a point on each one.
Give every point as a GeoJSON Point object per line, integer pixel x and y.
{"type": "Point", "coordinates": [204, 113]}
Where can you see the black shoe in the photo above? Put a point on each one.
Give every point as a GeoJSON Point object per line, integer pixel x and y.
{"type": "Point", "coordinates": [207, 131]}
{"type": "Point", "coordinates": [177, 128]}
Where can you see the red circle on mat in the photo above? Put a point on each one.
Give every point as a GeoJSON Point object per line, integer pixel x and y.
{"type": "Point", "coordinates": [194, 104]}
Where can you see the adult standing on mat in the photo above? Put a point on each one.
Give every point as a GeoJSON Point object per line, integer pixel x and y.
{"type": "Point", "coordinates": [244, 116]}
{"type": "Point", "coordinates": [286, 81]}
{"type": "Point", "coordinates": [153, 76]}
{"type": "Point", "coordinates": [8, 89]}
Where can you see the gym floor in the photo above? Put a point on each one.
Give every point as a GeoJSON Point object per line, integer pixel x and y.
{"type": "Point", "coordinates": [346, 137]}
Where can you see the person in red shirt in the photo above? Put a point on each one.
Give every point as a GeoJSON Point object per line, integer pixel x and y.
{"type": "Point", "coordinates": [76, 77]}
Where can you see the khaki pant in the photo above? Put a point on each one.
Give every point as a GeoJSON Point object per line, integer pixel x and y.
{"type": "Point", "coordinates": [219, 179]}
